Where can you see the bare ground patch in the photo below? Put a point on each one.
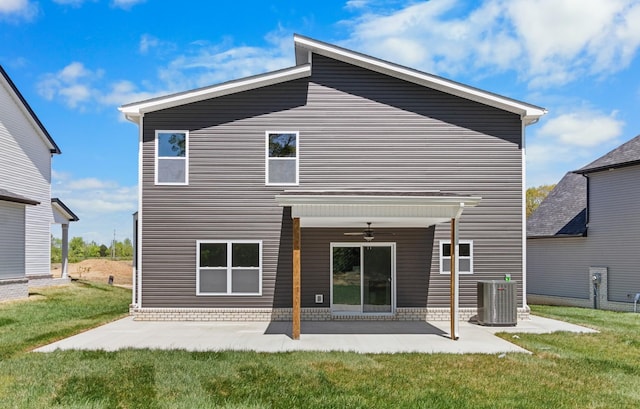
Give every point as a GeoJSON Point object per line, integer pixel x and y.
{"type": "Point", "coordinates": [99, 270]}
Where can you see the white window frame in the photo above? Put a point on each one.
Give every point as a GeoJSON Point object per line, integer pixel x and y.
{"type": "Point", "coordinates": [229, 267]}
{"type": "Point", "coordinates": [185, 158]}
{"type": "Point", "coordinates": [469, 257]}
{"type": "Point", "coordinates": [267, 158]}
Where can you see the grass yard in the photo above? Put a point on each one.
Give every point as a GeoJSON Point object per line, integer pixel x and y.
{"type": "Point", "coordinates": [565, 371]}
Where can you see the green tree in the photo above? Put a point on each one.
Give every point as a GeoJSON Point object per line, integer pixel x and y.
{"type": "Point", "coordinates": [76, 250]}
{"type": "Point", "coordinates": [123, 249]}
{"type": "Point", "coordinates": [92, 250]}
{"type": "Point", "coordinates": [535, 196]}
{"type": "Point", "coordinates": [127, 248]}
{"type": "Point", "coordinates": [104, 251]}
{"type": "Point", "coordinates": [56, 250]}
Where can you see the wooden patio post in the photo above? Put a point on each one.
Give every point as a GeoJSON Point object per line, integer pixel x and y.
{"type": "Point", "coordinates": [295, 331]}
{"type": "Point", "coordinates": [453, 306]}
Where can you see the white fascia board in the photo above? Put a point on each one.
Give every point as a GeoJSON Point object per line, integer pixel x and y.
{"type": "Point", "coordinates": [133, 111]}
{"type": "Point", "coordinates": [61, 213]}
{"type": "Point", "coordinates": [354, 199]}
{"type": "Point", "coordinates": [529, 113]}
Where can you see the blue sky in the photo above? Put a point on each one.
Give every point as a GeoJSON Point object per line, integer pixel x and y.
{"type": "Point", "coordinates": [76, 61]}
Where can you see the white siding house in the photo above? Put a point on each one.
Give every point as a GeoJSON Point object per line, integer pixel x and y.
{"type": "Point", "coordinates": [26, 212]}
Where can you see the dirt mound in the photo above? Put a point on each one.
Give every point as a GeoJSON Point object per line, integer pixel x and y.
{"type": "Point", "coordinates": [99, 270]}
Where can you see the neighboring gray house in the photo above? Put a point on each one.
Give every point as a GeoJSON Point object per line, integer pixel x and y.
{"type": "Point", "coordinates": [26, 207]}
{"type": "Point", "coordinates": [589, 226]}
{"type": "Point", "coordinates": [256, 194]}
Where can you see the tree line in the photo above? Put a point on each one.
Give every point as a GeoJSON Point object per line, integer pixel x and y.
{"type": "Point", "coordinates": [80, 250]}
{"type": "Point", "coordinates": [535, 196]}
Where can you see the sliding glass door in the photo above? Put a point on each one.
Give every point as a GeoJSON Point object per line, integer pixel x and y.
{"type": "Point", "coordinates": [362, 278]}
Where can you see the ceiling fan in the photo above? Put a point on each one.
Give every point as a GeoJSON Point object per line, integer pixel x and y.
{"type": "Point", "coordinates": [367, 233]}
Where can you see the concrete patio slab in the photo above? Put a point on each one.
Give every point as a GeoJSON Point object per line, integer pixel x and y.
{"type": "Point", "coordinates": [355, 336]}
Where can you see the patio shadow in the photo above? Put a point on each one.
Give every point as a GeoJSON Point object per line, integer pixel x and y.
{"type": "Point", "coordinates": [355, 327]}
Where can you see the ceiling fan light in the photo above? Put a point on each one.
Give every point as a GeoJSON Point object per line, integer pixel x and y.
{"type": "Point", "coordinates": [368, 237]}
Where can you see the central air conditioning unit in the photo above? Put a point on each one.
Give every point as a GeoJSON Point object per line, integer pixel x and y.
{"type": "Point", "coordinates": [497, 303]}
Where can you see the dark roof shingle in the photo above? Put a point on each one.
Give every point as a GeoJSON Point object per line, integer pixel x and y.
{"type": "Point", "coordinates": [624, 155]}
{"type": "Point", "coordinates": [563, 213]}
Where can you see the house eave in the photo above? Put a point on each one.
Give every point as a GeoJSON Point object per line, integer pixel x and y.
{"type": "Point", "coordinates": [558, 236]}
{"type": "Point", "coordinates": [586, 171]}
{"type": "Point", "coordinates": [28, 112]}
{"type": "Point", "coordinates": [384, 209]}
{"type": "Point", "coordinates": [66, 213]}
{"type": "Point", "coordinates": [134, 111]}
{"type": "Point", "coordinates": [528, 113]}
{"type": "Point", "coordinates": [7, 196]}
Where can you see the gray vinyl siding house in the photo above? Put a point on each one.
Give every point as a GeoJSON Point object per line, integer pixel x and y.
{"type": "Point", "coordinates": [374, 142]}
{"type": "Point", "coordinates": [589, 224]}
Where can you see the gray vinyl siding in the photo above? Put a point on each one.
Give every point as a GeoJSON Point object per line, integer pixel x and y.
{"type": "Point", "coordinates": [558, 267]}
{"type": "Point", "coordinates": [12, 233]}
{"type": "Point", "coordinates": [614, 229]}
{"type": "Point", "coordinates": [412, 263]}
{"type": "Point", "coordinates": [358, 130]}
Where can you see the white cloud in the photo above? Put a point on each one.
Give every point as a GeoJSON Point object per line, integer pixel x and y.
{"type": "Point", "coordinates": [569, 141]}
{"type": "Point", "coordinates": [91, 183]}
{"type": "Point", "coordinates": [74, 3]}
{"type": "Point", "coordinates": [126, 4]}
{"type": "Point", "coordinates": [206, 64]}
{"type": "Point", "coordinates": [546, 42]}
{"type": "Point", "coordinates": [202, 64]}
{"type": "Point", "coordinates": [101, 205]}
{"type": "Point", "coordinates": [147, 41]}
{"type": "Point", "coordinates": [356, 4]}
{"type": "Point", "coordinates": [582, 128]}
{"type": "Point", "coordinates": [123, 92]}
{"type": "Point", "coordinates": [18, 9]}
{"type": "Point", "coordinates": [73, 84]}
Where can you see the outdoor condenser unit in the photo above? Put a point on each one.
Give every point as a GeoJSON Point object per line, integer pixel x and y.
{"type": "Point", "coordinates": [497, 303]}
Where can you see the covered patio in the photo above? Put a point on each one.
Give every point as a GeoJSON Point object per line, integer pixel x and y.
{"type": "Point", "coordinates": [262, 336]}
{"type": "Point", "coordinates": [386, 209]}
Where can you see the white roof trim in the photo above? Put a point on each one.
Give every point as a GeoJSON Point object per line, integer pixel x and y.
{"type": "Point", "coordinates": [351, 210]}
{"type": "Point", "coordinates": [529, 113]}
{"type": "Point", "coordinates": [383, 200]}
{"type": "Point", "coordinates": [304, 47]}
{"type": "Point", "coordinates": [135, 110]}
{"type": "Point", "coordinates": [62, 214]}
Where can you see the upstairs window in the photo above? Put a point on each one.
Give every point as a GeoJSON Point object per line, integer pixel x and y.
{"type": "Point", "coordinates": [282, 158]}
{"type": "Point", "coordinates": [172, 157]}
{"type": "Point", "coordinates": [465, 257]}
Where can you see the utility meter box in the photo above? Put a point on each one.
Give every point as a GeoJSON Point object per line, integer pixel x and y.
{"type": "Point", "coordinates": [497, 303]}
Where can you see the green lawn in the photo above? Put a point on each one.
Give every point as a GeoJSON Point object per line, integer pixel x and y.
{"type": "Point", "coordinates": [565, 370]}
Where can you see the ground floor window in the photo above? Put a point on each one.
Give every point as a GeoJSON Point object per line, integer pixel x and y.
{"type": "Point", "coordinates": [465, 257]}
{"type": "Point", "coordinates": [229, 267]}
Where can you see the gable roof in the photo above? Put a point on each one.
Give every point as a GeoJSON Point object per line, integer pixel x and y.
{"type": "Point", "coordinates": [627, 154]}
{"type": "Point", "coordinates": [31, 116]}
{"type": "Point", "coordinates": [563, 213]}
{"type": "Point", "coordinates": [135, 110]}
{"type": "Point", "coordinates": [64, 211]}
{"type": "Point", "coordinates": [304, 46]}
